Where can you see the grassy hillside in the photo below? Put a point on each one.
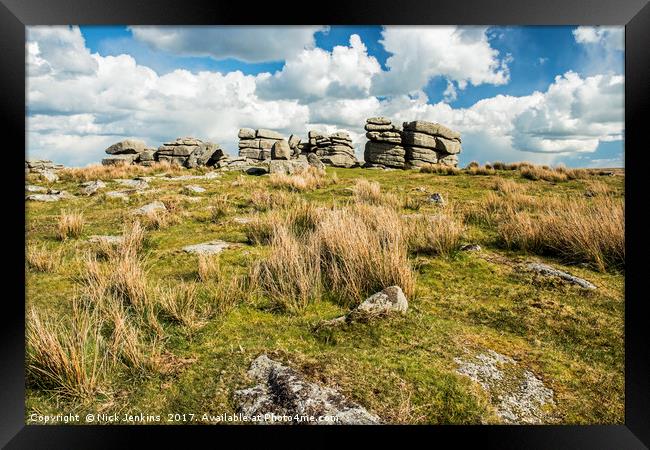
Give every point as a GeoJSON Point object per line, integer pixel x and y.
{"type": "Point", "coordinates": [147, 328]}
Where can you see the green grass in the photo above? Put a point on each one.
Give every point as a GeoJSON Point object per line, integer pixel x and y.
{"type": "Point", "coordinates": [401, 368]}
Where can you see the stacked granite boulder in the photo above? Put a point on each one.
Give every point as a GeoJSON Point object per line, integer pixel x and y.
{"type": "Point", "coordinates": [384, 146]}
{"type": "Point", "coordinates": [257, 144]}
{"type": "Point", "coordinates": [430, 143]}
{"type": "Point", "coordinates": [334, 150]}
{"type": "Point", "coordinates": [184, 151]}
{"type": "Point", "coordinates": [44, 167]}
{"type": "Point", "coordinates": [125, 152]}
{"type": "Point", "coordinates": [418, 144]}
{"type": "Point", "coordinates": [189, 152]}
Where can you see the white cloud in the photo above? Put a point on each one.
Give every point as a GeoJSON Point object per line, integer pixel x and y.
{"type": "Point", "coordinates": [246, 43]}
{"type": "Point", "coordinates": [75, 113]}
{"type": "Point", "coordinates": [461, 54]}
{"type": "Point", "coordinates": [345, 72]}
{"type": "Point", "coordinates": [60, 51]}
{"type": "Point", "coordinates": [612, 38]}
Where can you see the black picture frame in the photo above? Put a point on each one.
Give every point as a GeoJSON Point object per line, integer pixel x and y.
{"type": "Point", "coordinates": [634, 14]}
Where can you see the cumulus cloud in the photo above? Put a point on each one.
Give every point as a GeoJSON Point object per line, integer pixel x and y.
{"type": "Point", "coordinates": [76, 110]}
{"type": "Point", "coordinates": [245, 43]}
{"type": "Point", "coordinates": [345, 72]}
{"type": "Point", "coordinates": [123, 99]}
{"type": "Point", "coordinates": [461, 54]}
{"type": "Point", "coordinates": [59, 51]}
{"type": "Point", "coordinates": [612, 38]}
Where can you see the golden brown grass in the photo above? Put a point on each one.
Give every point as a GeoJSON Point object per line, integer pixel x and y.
{"type": "Point", "coordinates": [440, 169]}
{"type": "Point", "coordinates": [179, 303]}
{"type": "Point", "coordinates": [577, 230]}
{"type": "Point", "coordinates": [208, 268]}
{"type": "Point", "coordinates": [362, 251]}
{"type": "Point", "coordinates": [290, 275]}
{"type": "Point", "coordinates": [507, 186]}
{"type": "Point", "coordinates": [305, 180]}
{"type": "Point", "coordinates": [479, 170]}
{"type": "Point", "coordinates": [219, 208]}
{"type": "Point", "coordinates": [435, 234]}
{"type": "Point", "coordinates": [43, 259]}
{"type": "Point", "coordinates": [262, 200]}
{"type": "Point", "coordinates": [536, 173]}
{"type": "Point", "coordinates": [65, 357]}
{"type": "Point", "coordinates": [100, 172]}
{"type": "Point", "coordinates": [70, 225]}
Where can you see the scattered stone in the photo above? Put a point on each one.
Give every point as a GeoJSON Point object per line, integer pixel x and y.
{"type": "Point", "coordinates": [546, 270]}
{"type": "Point", "coordinates": [136, 183]}
{"type": "Point", "coordinates": [471, 248]}
{"type": "Point", "coordinates": [117, 194]}
{"type": "Point", "coordinates": [281, 150]}
{"type": "Point", "coordinates": [43, 198]}
{"type": "Point", "coordinates": [437, 198]}
{"type": "Point", "coordinates": [207, 248]}
{"type": "Point", "coordinates": [193, 189]}
{"type": "Point", "coordinates": [128, 146]}
{"type": "Point", "coordinates": [49, 176]}
{"type": "Point", "coordinates": [242, 220]}
{"type": "Point", "coordinates": [288, 167]}
{"type": "Point", "coordinates": [108, 239]}
{"type": "Point", "coordinates": [34, 188]}
{"type": "Point", "coordinates": [315, 161]}
{"type": "Point", "coordinates": [119, 160]}
{"type": "Point", "coordinates": [517, 394]}
{"type": "Point", "coordinates": [388, 301]}
{"type": "Point", "coordinates": [151, 208]}
{"type": "Point", "coordinates": [91, 187]}
{"type": "Point", "coordinates": [283, 394]}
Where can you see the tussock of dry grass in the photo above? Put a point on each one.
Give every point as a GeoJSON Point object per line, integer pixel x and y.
{"type": "Point", "coordinates": [578, 230]}
{"type": "Point", "coordinates": [219, 208]}
{"type": "Point", "coordinates": [536, 173]}
{"type": "Point", "coordinates": [208, 268]}
{"type": "Point", "coordinates": [479, 170]}
{"type": "Point", "coordinates": [291, 274]}
{"type": "Point", "coordinates": [65, 357]}
{"type": "Point", "coordinates": [369, 192]}
{"type": "Point", "coordinates": [70, 225]}
{"type": "Point", "coordinates": [262, 200]}
{"type": "Point", "coordinates": [436, 234]}
{"type": "Point", "coordinates": [507, 186]}
{"type": "Point", "coordinates": [440, 169]}
{"type": "Point", "coordinates": [100, 172]}
{"type": "Point", "coordinates": [351, 252]}
{"type": "Point", "coordinates": [42, 259]}
{"type": "Point", "coordinates": [306, 180]}
{"type": "Point", "coordinates": [179, 304]}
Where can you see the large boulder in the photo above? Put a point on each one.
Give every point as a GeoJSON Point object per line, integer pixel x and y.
{"type": "Point", "coordinates": [390, 155]}
{"type": "Point", "coordinates": [281, 150]}
{"type": "Point", "coordinates": [288, 167]}
{"type": "Point", "coordinates": [390, 300]}
{"type": "Point", "coordinates": [282, 393]}
{"type": "Point", "coordinates": [127, 146]}
{"type": "Point", "coordinates": [447, 145]}
{"type": "Point", "coordinates": [315, 161]}
{"type": "Point", "coordinates": [414, 138]}
{"type": "Point", "coordinates": [431, 128]}
{"type": "Point", "coordinates": [246, 133]}
{"type": "Point", "coordinates": [268, 134]}
{"type": "Point", "coordinates": [119, 160]}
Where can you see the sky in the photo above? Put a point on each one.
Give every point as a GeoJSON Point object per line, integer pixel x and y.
{"type": "Point", "coordinates": [548, 95]}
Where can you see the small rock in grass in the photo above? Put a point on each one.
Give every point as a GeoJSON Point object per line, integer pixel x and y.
{"type": "Point", "coordinates": [544, 269]}
{"type": "Point", "coordinates": [282, 394]}
{"type": "Point", "coordinates": [193, 189]}
{"type": "Point", "coordinates": [116, 194]}
{"type": "Point", "coordinates": [151, 208]}
{"type": "Point", "coordinates": [437, 198]}
{"type": "Point", "coordinates": [91, 187]}
{"type": "Point", "coordinates": [471, 248]}
{"type": "Point", "coordinates": [207, 248]}
{"type": "Point", "coordinates": [34, 188]}
{"type": "Point", "coordinates": [108, 239]}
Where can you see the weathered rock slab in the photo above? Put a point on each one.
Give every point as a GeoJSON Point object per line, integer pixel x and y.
{"type": "Point", "coordinates": [282, 394]}
{"type": "Point", "coordinates": [207, 248]}
{"type": "Point", "coordinates": [544, 269]}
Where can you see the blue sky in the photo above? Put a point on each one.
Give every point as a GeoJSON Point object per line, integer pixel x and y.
{"type": "Point", "coordinates": [516, 93]}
